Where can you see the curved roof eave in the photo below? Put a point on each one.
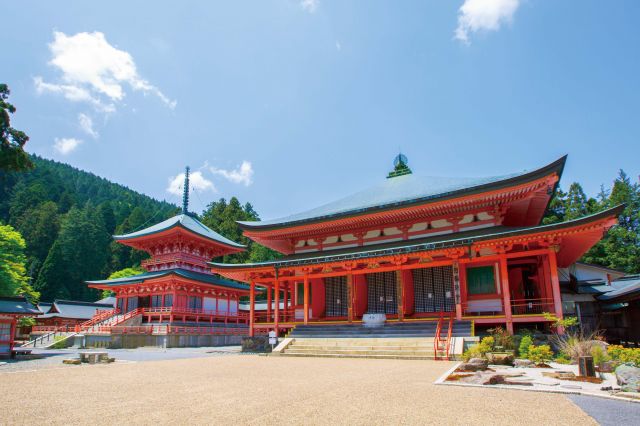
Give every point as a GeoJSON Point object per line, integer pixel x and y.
{"type": "Point", "coordinates": [177, 221]}
{"type": "Point", "coordinates": [411, 246]}
{"type": "Point", "coordinates": [499, 182]}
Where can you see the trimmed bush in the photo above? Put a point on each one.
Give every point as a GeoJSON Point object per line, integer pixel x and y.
{"type": "Point", "coordinates": [623, 355]}
{"type": "Point", "coordinates": [540, 354]}
{"type": "Point", "coordinates": [525, 344]}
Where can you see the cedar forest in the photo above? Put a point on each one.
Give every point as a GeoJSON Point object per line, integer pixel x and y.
{"type": "Point", "coordinates": [57, 222]}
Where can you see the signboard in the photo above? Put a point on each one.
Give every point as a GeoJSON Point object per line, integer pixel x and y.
{"type": "Point", "coordinates": [273, 341]}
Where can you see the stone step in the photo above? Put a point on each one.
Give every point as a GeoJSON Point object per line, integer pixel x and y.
{"type": "Point", "coordinates": [364, 342]}
{"type": "Point", "coordinates": [361, 348]}
{"type": "Point", "coordinates": [375, 356]}
{"type": "Point", "coordinates": [352, 351]}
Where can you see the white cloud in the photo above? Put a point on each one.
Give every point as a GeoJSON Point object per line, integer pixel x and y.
{"type": "Point", "coordinates": [310, 5]}
{"type": "Point", "coordinates": [242, 174]}
{"type": "Point", "coordinates": [86, 125]}
{"type": "Point", "coordinates": [93, 70]}
{"type": "Point", "coordinates": [196, 181]}
{"type": "Point", "coordinates": [66, 145]}
{"type": "Point", "coordinates": [487, 15]}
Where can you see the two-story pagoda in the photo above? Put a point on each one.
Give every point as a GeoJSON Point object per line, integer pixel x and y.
{"type": "Point", "coordinates": [178, 289]}
{"type": "Point", "coordinates": [414, 248]}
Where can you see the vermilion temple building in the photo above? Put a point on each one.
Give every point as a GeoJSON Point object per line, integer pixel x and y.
{"type": "Point", "coordinates": [416, 248]}
{"type": "Point", "coordinates": [178, 295]}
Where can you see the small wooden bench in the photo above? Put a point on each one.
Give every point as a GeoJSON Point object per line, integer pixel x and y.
{"type": "Point", "coordinates": [93, 356]}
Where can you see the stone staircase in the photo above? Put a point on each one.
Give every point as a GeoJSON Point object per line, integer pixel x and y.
{"type": "Point", "coordinates": [382, 348]}
{"type": "Point", "coordinates": [401, 340]}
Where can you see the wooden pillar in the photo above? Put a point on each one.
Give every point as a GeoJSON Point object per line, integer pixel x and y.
{"type": "Point", "coordinates": [276, 320]}
{"type": "Point", "coordinates": [252, 303]}
{"type": "Point", "coordinates": [269, 303]}
{"type": "Point", "coordinates": [506, 294]}
{"type": "Point", "coordinates": [306, 298]}
{"type": "Point", "coordinates": [400, 294]}
{"type": "Point", "coordinates": [350, 297]}
{"type": "Point", "coordinates": [555, 284]}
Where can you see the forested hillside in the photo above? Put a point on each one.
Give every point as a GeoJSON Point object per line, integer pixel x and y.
{"type": "Point", "coordinates": [67, 217]}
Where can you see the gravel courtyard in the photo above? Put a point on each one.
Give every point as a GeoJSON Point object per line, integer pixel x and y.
{"type": "Point", "coordinates": [258, 390]}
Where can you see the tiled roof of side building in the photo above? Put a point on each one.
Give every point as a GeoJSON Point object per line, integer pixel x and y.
{"type": "Point", "coordinates": [187, 222]}
{"type": "Point", "coordinates": [420, 244]}
{"type": "Point", "coordinates": [196, 276]}
{"type": "Point", "coordinates": [75, 309]}
{"type": "Point", "coordinates": [406, 190]}
{"type": "Point", "coordinates": [17, 305]}
{"type": "Point", "coordinates": [626, 287]}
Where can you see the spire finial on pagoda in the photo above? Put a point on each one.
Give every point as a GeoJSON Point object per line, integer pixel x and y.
{"type": "Point", "coordinates": [185, 194]}
{"type": "Point", "coordinates": [400, 167]}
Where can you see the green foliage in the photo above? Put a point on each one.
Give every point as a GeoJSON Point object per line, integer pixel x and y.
{"type": "Point", "coordinates": [59, 342]}
{"type": "Point", "coordinates": [127, 272]}
{"type": "Point", "coordinates": [621, 354]}
{"type": "Point", "coordinates": [620, 247]}
{"type": "Point", "coordinates": [67, 218]}
{"type": "Point", "coordinates": [502, 338]}
{"type": "Point", "coordinates": [540, 354]}
{"type": "Point", "coordinates": [13, 272]}
{"type": "Point", "coordinates": [562, 358]}
{"type": "Point", "coordinates": [26, 322]}
{"type": "Point", "coordinates": [525, 344]}
{"type": "Point", "coordinates": [222, 216]}
{"type": "Point", "coordinates": [12, 155]}
{"type": "Point", "coordinates": [479, 350]}
{"type": "Point", "coordinates": [565, 322]}
{"type": "Point", "coordinates": [599, 355]}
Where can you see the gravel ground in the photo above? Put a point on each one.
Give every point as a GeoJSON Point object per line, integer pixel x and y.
{"type": "Point", "coordinates": [268, 390]}
{"type": "Point", "coordinates": [609, 412]}
{"type": "Point", "coordinates": [50, 358]}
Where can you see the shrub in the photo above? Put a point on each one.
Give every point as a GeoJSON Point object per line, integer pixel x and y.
{"type": "Point", "coordinates": [525, 344]}
{"type": "Point", "coordinates": [479, 350]}
{"type": "Point", "coordinates": [540, 354]}
{"type": "Point", "coordinates": [599, 355]}
{"type": "Point", "coordinates": [502, 338]}
{"type": "Point", "coordinates": [59, 342]}
{"type": "Point", "coordinates": [624, 355]}
{"type": "Point", "coordinates": [562, 358]}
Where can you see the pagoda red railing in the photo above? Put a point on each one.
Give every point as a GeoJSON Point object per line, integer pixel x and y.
{"type": "Point", "coordinates": [238, 317]}
{"type": "Point", "coordinates": [167, 329]}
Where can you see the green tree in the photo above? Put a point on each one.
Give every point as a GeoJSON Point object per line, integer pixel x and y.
{"type": "Point", "coordinates": [12, 141]}
{"type": "Point", "coordinates": [557, 208]}
{"type": "Point", "coordinates": [13, 273]}
{"type": "Point", "coordinates": [126, 272]}
{"type": "Point", "coordinates": [222, 217]}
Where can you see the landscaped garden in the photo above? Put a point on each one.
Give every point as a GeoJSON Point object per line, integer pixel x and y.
{"type": "Point", "coordinates": [565, 360]}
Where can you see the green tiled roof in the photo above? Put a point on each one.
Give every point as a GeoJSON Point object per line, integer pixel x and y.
{"type": "Point", "coordinates": [405, 190]}
{"type": "Point", "coordinates": [459, 239]}
{"type": "Point", "coordinates": [187, 222]}
{"type": "Point", "coordinates": [185, 273]}
{"type": "Point", "coordinates": [17, 305]}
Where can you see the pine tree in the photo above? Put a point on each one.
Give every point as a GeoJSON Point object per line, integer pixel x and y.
{"type": "Point", "coordinates": [13, 273]}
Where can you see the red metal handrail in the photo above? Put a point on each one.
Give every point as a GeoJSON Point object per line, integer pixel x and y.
{"type": "Point", "coordinates": [448, 342]}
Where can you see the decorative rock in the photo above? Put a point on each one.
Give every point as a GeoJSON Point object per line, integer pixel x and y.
{"type": "Point", "coordinates": [373, 320]}
{"type": "Point", "coordinates": [500, 358]}
{"type": "Point", "coordinates": [607, 367]}
{"type": "Point", "coordinates": [628, 378]}
{"type": "Point", "coordinates": [474, 364]}
{"type": "Point", "coordinates": [523, 363]}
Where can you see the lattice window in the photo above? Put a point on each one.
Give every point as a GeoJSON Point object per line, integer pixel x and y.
{"type": "Point", "coordinates": [433, 289]}
{"type": "Point", "coordinates": [335, 289]}
{"type": "Point", "coordinates": [381, 293]}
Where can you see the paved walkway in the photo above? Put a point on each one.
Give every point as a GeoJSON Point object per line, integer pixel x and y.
{"type": "Point", "coordinates": [609, 412]}
{"type": "Point", "coordinates": [269, 390]}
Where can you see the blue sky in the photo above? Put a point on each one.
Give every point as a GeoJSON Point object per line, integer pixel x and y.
{"type": "Point", "coordinates": [290, 104]}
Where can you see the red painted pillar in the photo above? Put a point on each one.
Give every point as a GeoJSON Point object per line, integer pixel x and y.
{"type": "Point", "coordinates": [555, 285]}
{"type": "Point", "coordinates": [269, 303]}
{"type": "Point", "coordinates": [252, 303]}
{"type": "Point", "coordinates": [506, 295]}
{"type": "Point", "coordinates": [350, 297]}
{"type": "Point", "coordinates": [306, 299]}
{"type": "Point", "coordinates": [277, 313]}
